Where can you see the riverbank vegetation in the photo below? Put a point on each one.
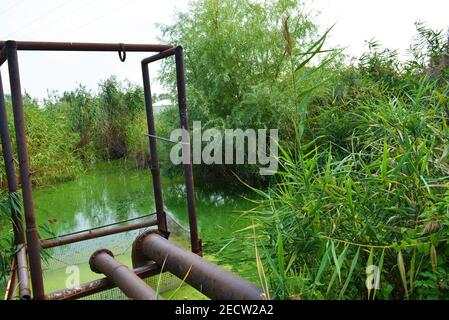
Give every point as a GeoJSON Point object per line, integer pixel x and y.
{"type": "Point", "coordinates": [359, 206]}
{"type": "Point", "coordinates": [244, 69]}
{"type": "Point", "coordinates": [359, 209]}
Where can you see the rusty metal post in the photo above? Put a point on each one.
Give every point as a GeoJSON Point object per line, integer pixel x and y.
{"type": "Point", "coordinates": [155, 170]}
{"type": "Point", "coordinates": [32, 237]}
{"type": "Point", "coordinates": [208, 278]}
{"type": "Point", "coordinates": [19, 238]}
{"type": "Point", "coordinates": [10, 292]}
{"type": "Point", "coordinates": [188, 171]}
{"type": "Point", "coordinates": [16, 217]}
{"type": "Point", "coordinates": [102, 261]}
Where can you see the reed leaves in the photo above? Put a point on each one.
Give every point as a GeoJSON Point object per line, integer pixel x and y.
{"type": "Point", "coordinates": [362, 188]}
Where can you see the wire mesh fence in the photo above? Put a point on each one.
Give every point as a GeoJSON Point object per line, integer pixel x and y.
{"type": "Point", "coordinates": [68, 266]}
{"type": "Point", "coordinates": [166, 282]}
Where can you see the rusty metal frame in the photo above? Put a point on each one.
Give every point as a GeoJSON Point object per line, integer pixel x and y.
{"type": "Point", "coordinates": [86, 46]}
{"type": "Point", "coordinates": [19, 237]}
{"type": "Point", "coordinates": [33, 244]}
{"type": "Point", "coordinates": [195, 242]}
{"type": "Point", "coordinates": [20, 262]}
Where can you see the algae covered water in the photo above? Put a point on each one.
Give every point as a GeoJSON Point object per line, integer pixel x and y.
{"type": "Point", "coordinates": [116, 191]}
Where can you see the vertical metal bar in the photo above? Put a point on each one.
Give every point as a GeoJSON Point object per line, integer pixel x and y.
{"type": "Point", "coordinates": [188, 171]}
{"type": "Point", "coordinates": [16, 217]}
{"type": "Point", "coordinates": [22, 273]}
{"type": "Point", "coordinates": [19, 237]}
{"type": "Point", "coordinates": [2, 55]}
{"type": "Point", "coordinates": [12, 282]}
{"type": "Point", "coordinates": [33, 242]}
{"type": "Point", "coordinates": [155, 170]}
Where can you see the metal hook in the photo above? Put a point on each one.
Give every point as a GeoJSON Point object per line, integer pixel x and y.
{"type": "Point", "coordinates": [122, 53]}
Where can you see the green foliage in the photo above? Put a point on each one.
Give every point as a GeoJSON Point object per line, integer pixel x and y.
{"type": "Point", "coordinates": [67, 132]}
{"type": "Point", "coordinates": [364, 183]}
{"type": "Point", "coordinates": [245, 68]}
{"type": "Point", "coordinates": [430, 51]}
{"type": "Point", "coordinates": [50, 145]}
{"type": "Point", "coordinates": [7, 247]}
{"type": "Point", "coordinates": [64, 134]}
{"type": "Point", "coordinates": [119, 106]}
{"type": "Point", "coordinates": [103, 121]}
{"type": "Point", "coordinates": [82, 112]}
{"type": "Point", "coordinates": [364, 159]}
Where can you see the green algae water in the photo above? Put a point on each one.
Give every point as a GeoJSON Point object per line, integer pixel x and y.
{"type": "Point", "coordinates": [116, 191]}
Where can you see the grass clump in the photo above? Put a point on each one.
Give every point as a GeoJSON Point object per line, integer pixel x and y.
{"type": "Point", "coordinates": [360, 207]}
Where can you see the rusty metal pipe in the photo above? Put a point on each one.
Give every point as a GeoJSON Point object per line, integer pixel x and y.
{"type": "Point", "coordinates": [12, 286]}
{"type": "Point", "coordinates": [102, 261]}
{"type": "Point", "coordinates": [16, 217]}
{"type": "Point", "coordinates": [155, 170]}
{"type": "Point", "coordinates": [96, 286]}
{"type": "Point", "coordinates": [83, 46]}
{"type": "Point", "coordinates": [10, 292]}
{"type": "Point", "coordinates": [159, 56]}
{"type": "Point", "coordinates": [210, 279]}
{"type": "Point", "coordinates": [188, 171]}
{"type": "Point", "coordinates": [23, 275]}
{"type": "Point", "coordinates": [33, 243]}
{"type": "Point", "coordinates": [46, 244]}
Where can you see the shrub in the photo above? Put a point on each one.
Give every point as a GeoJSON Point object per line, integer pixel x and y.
{"type": "Point", "coordinates": [103, 121]}
{"type": "Point", "coordinates": [245, 68]}
{"type": "Point", "coordinates": [365, 184]}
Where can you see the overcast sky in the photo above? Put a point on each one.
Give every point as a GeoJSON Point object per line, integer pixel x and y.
{"type": "Point", "coordinates": [133, 21]}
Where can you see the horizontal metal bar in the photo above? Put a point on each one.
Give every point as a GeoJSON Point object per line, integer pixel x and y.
{"type": "Point", "coordinates": [95, 234]}
{"type": "Point", "coordinates": [165, 139]}
{"type": "Point", "coordinates": [103, 261]}
{"type": "Point", "coordinates": [83, 46]}
{"type": "Point", "coordinates": [159, 56]}
{"type": "Point", "coordinates": [99, 285]}
{"type": "Point", "coordinates": [100, 227]}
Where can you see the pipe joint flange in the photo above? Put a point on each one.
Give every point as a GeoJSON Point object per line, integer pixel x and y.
{"type": "Point", "coordinates": [142, 237]}
{"type": "Point", "coordinates": [94, 255]}
{"type": "Point", "coordinates": [138, 259]}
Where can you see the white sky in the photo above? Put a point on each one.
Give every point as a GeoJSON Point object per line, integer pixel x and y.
{"type": "Point", "coordinates": [133, 21]}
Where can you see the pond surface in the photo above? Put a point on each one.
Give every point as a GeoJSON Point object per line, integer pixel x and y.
{"type": "Point", "coordinates": [116, 191]}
